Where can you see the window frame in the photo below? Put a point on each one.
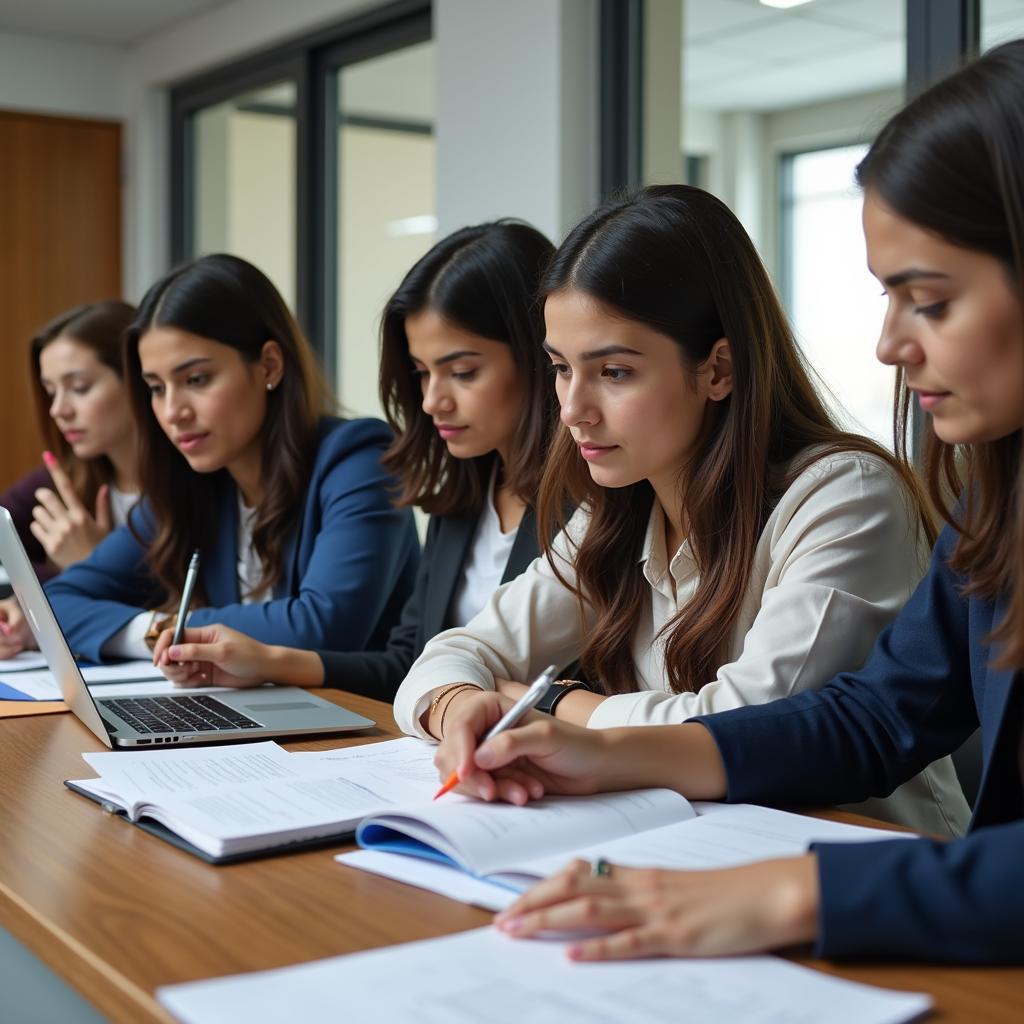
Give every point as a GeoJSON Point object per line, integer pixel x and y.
{"type": "Point", "coordinates": [311, 62]}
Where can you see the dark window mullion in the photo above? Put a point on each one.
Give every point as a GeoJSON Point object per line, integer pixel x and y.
{"type": "Point", "coordinates": [941, 34]}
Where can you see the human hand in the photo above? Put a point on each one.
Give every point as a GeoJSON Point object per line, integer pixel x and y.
{"type": "Point", "coordinates": [213, 656]}
{"type": "Point", "coordinates": [651, 912]}
{"type": "Point", "coordinates": [62, 524]}
{"type": "Point", "coordinates": [521, 764]}
{"type": "Point", "coordinates": [15, 634]}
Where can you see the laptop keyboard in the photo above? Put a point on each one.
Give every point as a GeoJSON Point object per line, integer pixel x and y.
{"type": "Point", "coordinates": [201, 713]}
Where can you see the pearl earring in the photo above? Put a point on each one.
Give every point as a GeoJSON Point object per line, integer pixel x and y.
{"type": "Point", "coordinates": [270, 387]}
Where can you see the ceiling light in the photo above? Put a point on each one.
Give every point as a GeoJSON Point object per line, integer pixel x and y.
{"type": "Point", "coordinates": [783, 4]}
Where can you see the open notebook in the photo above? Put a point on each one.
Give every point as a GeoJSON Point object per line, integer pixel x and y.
{"type": "Point", "coordinates": [231, 803]}
{"type": "Point", "coordinates": [228, 803]}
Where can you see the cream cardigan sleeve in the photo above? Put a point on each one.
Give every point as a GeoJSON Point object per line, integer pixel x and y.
{"type": "Point", "coordinates": [838, 558]}
{"type": "Point", "coordinates": [529, 623]}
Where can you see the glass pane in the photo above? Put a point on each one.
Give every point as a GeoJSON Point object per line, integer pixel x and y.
{"type": "Point", "coordinates": [1001, 21]}
{"type": "Point", "coordinates": [243, 181]}
{"type": "Point", "coordinates": [836, 303]}
{"type": "Point", "coordinates": [386, 202]}
{"type": "Point", "coordinates": [761, 86]}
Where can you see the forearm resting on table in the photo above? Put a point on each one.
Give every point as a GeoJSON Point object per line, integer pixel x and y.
{"type": "Point", "coordinates": [680, 757]}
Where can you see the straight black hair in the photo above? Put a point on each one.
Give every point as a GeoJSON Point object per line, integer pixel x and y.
{"type": "Point", "coordinates": [482, 279]}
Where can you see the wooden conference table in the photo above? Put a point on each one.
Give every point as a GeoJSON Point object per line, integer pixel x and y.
{"type": "Point", "coordinates": [117, 912]}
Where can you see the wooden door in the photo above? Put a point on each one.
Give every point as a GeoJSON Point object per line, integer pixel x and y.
{"type": "Point", "coordinates": [60, 245]}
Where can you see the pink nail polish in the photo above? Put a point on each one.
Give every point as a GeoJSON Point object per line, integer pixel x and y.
{"type": "Point", "coordinates": [50, 459]}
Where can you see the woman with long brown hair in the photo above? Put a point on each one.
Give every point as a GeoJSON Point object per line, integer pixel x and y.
{"type": "Point", "coordinates": [944, 222]}
{"type": "Point", "coordinates": [288, 507]}
{"type": "Point", "coordinates": [733, 545]}
{"type": "Point", "coordinates": [89, 479]}
{"type": "Point", "coordinates": [464, 386]}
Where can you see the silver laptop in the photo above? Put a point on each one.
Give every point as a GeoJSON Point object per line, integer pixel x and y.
{"type": "Point", "coordinates": [176, 718]}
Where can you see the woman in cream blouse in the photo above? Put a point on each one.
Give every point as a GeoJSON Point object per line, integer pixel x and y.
{"type": "Point", "coordinates": [732, 545]}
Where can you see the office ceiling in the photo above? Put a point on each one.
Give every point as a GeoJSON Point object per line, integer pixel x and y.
{"type": "Point", "coordinates": [741, 55]}
{"type": "Point", "coordinates": [106, 21]}
{"type": "Point", "coordinates": [737, 54]}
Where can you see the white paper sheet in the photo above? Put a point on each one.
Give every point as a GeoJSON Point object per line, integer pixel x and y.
{"type": "Point", "coordinates": [163, 773]}
{"type": "Point", "coordinates": [42, 685]}
{"type": "Point", "coordinates": [22, 662]}
{"type": "Point", "coordinates": [34, 685]}
{"type": "Point", "coordinates": [124, 672]}
{"type": "Point", "coordinates": [483, 976]}
{"type": "Point", "coordinates": [432, 876]}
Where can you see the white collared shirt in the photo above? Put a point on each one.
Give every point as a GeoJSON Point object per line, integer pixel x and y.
{"type": "Point", "coordinates": [837, 559]}
{"type": "Point", "coordinates": [485, 563]}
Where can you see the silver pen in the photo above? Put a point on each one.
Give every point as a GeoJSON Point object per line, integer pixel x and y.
{"type": "Point", "coordinates": [186, 596]}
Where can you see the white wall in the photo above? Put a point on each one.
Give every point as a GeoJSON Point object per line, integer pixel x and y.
{"type": "Point", "coordinates": [517, 114]}
{"type": "Point", "coordinates": [49, 75]}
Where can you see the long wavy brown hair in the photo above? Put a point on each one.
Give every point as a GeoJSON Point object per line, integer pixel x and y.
{"type": "Point", "coordinates": [98, 326]}
{"type": "Point", "coordinates": [676, 259]}
{"type": "Point", "coordinates": [483, 279]}
{"type": "Point", "coordinates": [951, 162]}
{"type": "Point", "coordinates": [224, 299]}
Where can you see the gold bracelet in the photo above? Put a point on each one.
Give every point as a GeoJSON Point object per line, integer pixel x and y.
{"type": "Point", "coordinates": [453, 691]}
{"type": "Point", "coordinates": [440, 693]}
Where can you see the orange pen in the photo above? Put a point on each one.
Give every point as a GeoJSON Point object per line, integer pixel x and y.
{"type": "Point", "coordinates": [527, 702]}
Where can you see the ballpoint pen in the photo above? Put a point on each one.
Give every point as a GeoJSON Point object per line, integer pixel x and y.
{"type": "Point", "coordinates": [527, 702]}
{"type": "Point", "coordinates": [186, 596]}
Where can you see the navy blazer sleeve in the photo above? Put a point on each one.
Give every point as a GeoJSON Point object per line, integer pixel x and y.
{"type": "Point", "coordinates": [19, 499]}
{"type": "Point", "coordinates": [353, 557]}
{"type": "Point", "coordinates": [862, 735]}
{"type": "Point", "coordinates": [360, 559]}
{"type": "Point", "coordinates": [378, 673]}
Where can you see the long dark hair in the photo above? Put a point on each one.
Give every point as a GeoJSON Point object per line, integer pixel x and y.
{"type": "Point", "coordinates": [98, 326]}
{"type": "Point", "coordinates": [951, 162]}
{"type": "Point", "coordinates": [227, 300]}
{"type": "Point", "coordinates": [482, 279]}
{"type": "Point", "coordinates": [676, 259]}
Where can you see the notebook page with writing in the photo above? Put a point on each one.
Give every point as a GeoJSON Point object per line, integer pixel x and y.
{"type": "Point", "coordinates": [229, 799]}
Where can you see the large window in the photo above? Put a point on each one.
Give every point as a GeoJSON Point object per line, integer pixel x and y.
{"type": "Point", "coordinates": [777, 106]}
{"type": "Point", "coordinates": [776, 103]}
{"type": "Point", "coordinates": [835, 304]}
{"type": "Point", "coordinates": [316, 163]}
{"type": "Point", "coordinates": [243, 181]}
{"type": "Point", "coordinates": [385, 216]}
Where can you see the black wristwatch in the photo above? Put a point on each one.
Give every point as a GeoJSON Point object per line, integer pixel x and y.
{"type": "Point", "coordinates": [557, 691]}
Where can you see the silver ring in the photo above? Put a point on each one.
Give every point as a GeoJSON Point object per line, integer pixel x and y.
{"type": "Point", "coordinates": [600, 868]}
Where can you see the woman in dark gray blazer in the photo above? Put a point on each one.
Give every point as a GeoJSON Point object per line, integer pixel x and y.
{"type": "Point", "coordinates": [464, 384]}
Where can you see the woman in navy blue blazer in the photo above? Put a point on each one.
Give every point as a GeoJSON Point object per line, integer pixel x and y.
{"type": "Point", "coordinates": [465, 385]}
{"type": "Point", "coordinates": [290, 509]}
{"type": "Point", "coordinates": [944, 221]}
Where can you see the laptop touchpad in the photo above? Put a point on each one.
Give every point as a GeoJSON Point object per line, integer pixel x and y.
{"type": "Point", "coordinates": [297, 705]}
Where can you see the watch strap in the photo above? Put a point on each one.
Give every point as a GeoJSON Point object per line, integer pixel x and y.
{"type": "Point", "coordinates": [557, 692]}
